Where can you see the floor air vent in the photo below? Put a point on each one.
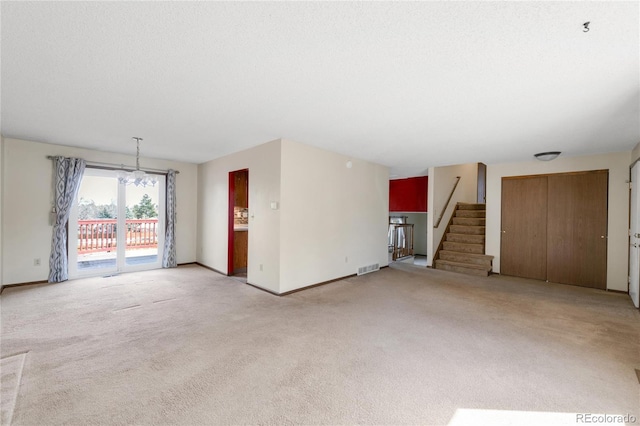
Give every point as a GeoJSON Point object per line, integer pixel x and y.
{"type": "Point", "coordinates": [369, 268]}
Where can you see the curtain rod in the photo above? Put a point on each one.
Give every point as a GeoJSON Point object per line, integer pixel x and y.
{"type": "Point", "coordinates": [112, 166]}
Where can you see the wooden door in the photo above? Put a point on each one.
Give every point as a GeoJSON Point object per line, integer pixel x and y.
{"type": "Point", "coordinates": [577, 229]}
{"type": "Point", "coordinates": [241, 188]}
{"type": "Point", "coordinates": [240, 248]}
{"type": "Point", "coordinates": [238, 197]}
{"type": "Point", "coordinates": [523, 249]}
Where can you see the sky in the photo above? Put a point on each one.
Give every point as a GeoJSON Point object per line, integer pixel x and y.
{"type": "Point", "coordinates": [104, 190]}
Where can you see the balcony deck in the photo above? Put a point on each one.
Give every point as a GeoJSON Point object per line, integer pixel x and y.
{"type": "Point", "coordinates": [97, 242]}
{"type": "Point", "coordinates": [104, 259]}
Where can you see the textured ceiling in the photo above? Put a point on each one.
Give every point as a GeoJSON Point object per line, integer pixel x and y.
{"type": "Point", "coordinates": [408, 85]}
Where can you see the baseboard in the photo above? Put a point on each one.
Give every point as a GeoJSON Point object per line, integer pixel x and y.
{"type": "Point", "coordinates": [45, 281]}
{"type": "Point", "coordinates": [286, 293]}
{"type": "Point", "coordinates": [210, 268]}
{"type": "Point", "coordinates": [266, 290]}
{"type": "Point", "coordinates": [617, 291]}
{"type": "Point", "coordinates": [22, 284]}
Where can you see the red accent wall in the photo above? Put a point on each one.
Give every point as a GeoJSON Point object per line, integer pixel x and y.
{"type": "Point", "coordinates": [408, 195]}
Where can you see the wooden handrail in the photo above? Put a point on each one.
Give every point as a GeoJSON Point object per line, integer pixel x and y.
{"type": "Point", "coordinates": [447, 203]}
{"type": "Point", "coordinates": [436, 255]}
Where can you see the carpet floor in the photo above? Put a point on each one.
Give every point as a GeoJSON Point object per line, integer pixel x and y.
{"type": "Point", "coordinates": [404, 345]}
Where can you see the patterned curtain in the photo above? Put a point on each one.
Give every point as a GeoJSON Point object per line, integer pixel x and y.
{"type": "Point", "coordinates": [68, 174]}
{"type": "Point", "coordinates": [169, 255]}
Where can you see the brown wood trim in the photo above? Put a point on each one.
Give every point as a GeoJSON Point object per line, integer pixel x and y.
{"type": "Point", "coordinates": [210, 268]}
{"type": "Point", "coordinates": [46, 281]}
{"type": "Point", "coordinates": [286, 293]}
{"type": "Point", "coordinates": [323, 283]}
{"type": "Point", "coordinates": [444, 236]}
{"type": "Point", "coordinates": [556, 174]}
{"type": "Point", "coordinates": [23, 284]}
{"type": "Point", "coordinates": [271, 292]}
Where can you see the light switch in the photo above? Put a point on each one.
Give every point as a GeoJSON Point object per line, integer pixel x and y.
{"type": "Point", "coordinates": [274, 205]}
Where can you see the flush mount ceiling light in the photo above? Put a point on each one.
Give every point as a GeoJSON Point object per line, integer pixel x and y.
{"type": "Point", "coordinates": [547, 156]}
{"type": "Point", "coordinates": [137, 177]}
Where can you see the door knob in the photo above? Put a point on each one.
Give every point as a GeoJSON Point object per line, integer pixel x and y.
{"type": "Point", "coordinates": [634, 245]}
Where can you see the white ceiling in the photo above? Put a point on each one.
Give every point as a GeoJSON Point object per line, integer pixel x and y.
{"type": "Point", "coordinates": [408, 85]}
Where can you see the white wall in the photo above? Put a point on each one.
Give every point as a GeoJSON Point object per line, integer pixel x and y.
{"type": "Point", "coordinates": [28, 196]}
{"type": "Point", "coordinates": [441, 182]}
{"type": "Point", "coordinates": [326, 213]}
{"type": "Point", "coordinates": [263, 163]}
{"type": "Point", "coordinates": [1, 204]}
{"type": "Point", "coordinates": [635, 154]}
{"type": "Point", "coordinates": [334, 218]}
{"type": "Point", "coordinates": [618, 219]}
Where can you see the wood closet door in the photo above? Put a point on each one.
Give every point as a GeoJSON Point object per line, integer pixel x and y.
{"type": "Point", "coordinates": [523, 248]}
{"type": "Point", "coordinates": [577, 229]}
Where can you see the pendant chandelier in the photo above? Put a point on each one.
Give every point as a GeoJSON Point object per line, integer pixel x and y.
{"type": "Point", "coordinates": [137, 177]}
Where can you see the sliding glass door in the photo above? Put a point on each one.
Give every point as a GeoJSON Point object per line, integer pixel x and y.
{"type": "Point", "coordinates": [93, 225]}
{"type": "Point", "coordinates": [143, 235]}
{"type": "Point", "coordinates": [115, 227]}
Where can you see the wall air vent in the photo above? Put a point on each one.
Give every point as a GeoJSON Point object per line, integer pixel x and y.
{"type": "Point", "coordinates": [369, 268]}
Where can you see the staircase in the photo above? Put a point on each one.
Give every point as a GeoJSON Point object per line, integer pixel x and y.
{"type": "Point", "coordinates": [462, 249]}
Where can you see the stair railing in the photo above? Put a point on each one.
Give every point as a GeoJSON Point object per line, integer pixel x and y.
{"type": "Point", "coordinates": [447, 203]}
{"type": "Point", "coordinates": [436, 255]}
{"type": "Point", "coordinates": [401, 239]}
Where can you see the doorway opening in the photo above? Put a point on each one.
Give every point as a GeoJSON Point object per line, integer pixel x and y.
{"type": "Point", "coordinates": [238, 241]}
{"type": "Point", "coordinates": [114, 227]}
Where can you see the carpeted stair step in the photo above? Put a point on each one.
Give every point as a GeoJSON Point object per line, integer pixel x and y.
{"type": "Point", "coordinates": [469, 206]}
{"type": "Point", "coordinates": [471, 213]}
{"type": "Point", "coordinates": [463, 268]}
{"type": "Point", "coordinates": [472, 221]}
{"type": "Point", "coordinates": [463, 247]}
{"type": "Point", "coordinates": [465, 229]}
{"type": "Point", "coordinates": [472, 258]}
{"type": "Point", "coordinates": [465, 238]}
